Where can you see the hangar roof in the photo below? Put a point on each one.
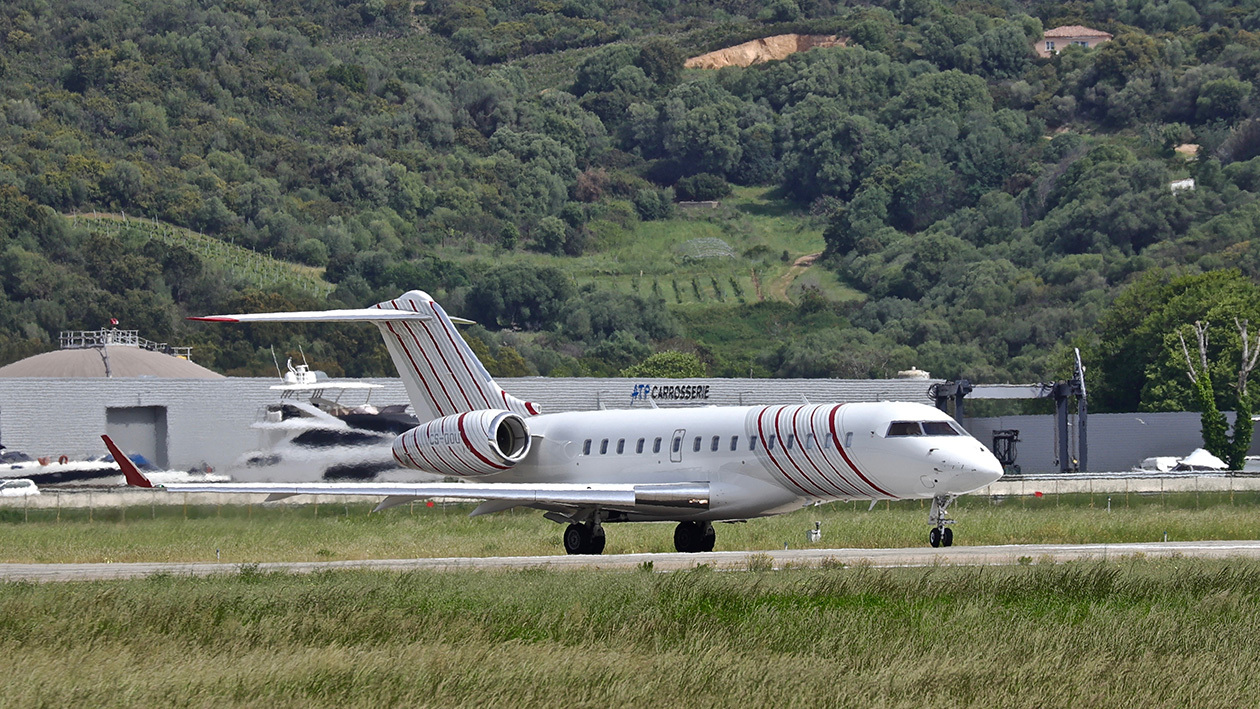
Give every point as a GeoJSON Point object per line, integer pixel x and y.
{"type": "Point", "coordinates": [124, 361]}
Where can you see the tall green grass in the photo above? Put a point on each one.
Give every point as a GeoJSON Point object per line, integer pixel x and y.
{"type": "Point", "coordinates": [1162, 633]}
{"type": "Point", "coordinates": [257, 533]}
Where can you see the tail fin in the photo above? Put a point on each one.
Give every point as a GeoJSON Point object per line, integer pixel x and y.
{"type": "Point", "coordinates": [438, 368]}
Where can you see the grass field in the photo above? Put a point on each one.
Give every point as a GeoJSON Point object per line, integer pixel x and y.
{"type": "Point", "coordinates": [247, 534]}
{"type": "Point", "coordinates": [1129, 633]}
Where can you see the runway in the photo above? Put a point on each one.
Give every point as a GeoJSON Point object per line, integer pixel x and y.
{"type": "Point", "coordinates": [727, 560]}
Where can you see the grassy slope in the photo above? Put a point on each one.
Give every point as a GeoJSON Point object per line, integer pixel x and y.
{"type": "Point", "coordinates": [256, 269]}
{"type": "Point", "coordinates": [1173, 633]}
{"type": "Point", "coordinates": [632, 259]}
{"type": "Point", "coordinates": [257, 534]}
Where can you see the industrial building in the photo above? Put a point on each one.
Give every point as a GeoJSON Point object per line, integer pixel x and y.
{"type": "Point", "coordinates": [156, 402]}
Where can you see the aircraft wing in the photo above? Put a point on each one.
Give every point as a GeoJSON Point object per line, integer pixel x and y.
{"type": "Point", "coordinates": [621, 496]}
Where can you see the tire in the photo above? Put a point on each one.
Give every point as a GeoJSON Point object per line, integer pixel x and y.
{"type": "Point", "coordinates": [947, 537]}
{"type": "Point", "coordinates": [576, 539]}
{"type": "Point", "coordinates": [934, 537]}
{"type": "Point", "coordinates": [708, 539]}
{"type": "Point", "coordinates": [596, 543]}
{"type": "Point", "coordinates": [688, 537]}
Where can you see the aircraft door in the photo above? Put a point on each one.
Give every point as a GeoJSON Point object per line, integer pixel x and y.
{"type": "Point", "coordinates": [676, 445]}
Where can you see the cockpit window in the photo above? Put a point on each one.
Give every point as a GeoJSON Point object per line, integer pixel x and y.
{"type": "Point", "coordinates": [923, 428]}
{"type": "Point", "coordinates": [940, 428]}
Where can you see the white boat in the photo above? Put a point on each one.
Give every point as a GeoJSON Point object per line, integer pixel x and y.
{"type": "Point", "coordinates": [102, 471]}
{"type": "Point", "coordinates": [313, 434]}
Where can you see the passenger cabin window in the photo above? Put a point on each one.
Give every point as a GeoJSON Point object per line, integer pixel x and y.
{"type": "Point", "coordinates": [656, 445]}
{"type": "Point", "coordinates": [734, 442]}
{"type": "Point", "coordinates": [677, 443]}
{"type": "Point", "coordinates": [770, 442]}
{"type": "Point", "coordinates": [809, 442]}
{"type": "Point", "coordinates": [586, 447]}
{"type": "Point", "coordinates": [827, 441]}
{"type": "Point", "coordinates": [695, 446]}
{"type": "Point", "coordinates": [638, 447]}
{"type": "Point", "coordinates": [621, 446]}
{"type": "Point", "coordinates": [603, 446]}
{"type": "Point", "coordinates": [752, 443]}
{"type": "Point", "coordinates": [713, 446]}
{"type": "Point", "coordinates": [848, 439]}
{"type": "Point", "coordinates": [791, 441]}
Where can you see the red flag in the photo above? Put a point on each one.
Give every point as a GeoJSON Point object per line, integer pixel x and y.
{"type": "Point", "coordinates": [113, 321]}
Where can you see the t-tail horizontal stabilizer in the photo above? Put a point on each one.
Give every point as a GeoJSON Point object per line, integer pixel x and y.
{"type": "Point", "coordinates": [442, 374]}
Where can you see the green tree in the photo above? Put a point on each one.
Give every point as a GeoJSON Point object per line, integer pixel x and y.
{"type": "Point", "coordinates": [520, 295]}
{"type": "Point", "coordinates": [670, 364]}
{"type": "Point", "coordinates": [1232, 448]}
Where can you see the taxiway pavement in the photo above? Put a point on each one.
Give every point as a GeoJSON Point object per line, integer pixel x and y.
{"type": "Point", "coordinates": [910, 557]}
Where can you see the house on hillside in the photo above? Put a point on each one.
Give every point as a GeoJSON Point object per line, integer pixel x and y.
{"type": "Point", "coordinates": [1056, 39]}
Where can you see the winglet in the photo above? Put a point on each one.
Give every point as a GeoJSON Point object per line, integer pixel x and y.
{"type": "Point", "coordinates": [135, 478]}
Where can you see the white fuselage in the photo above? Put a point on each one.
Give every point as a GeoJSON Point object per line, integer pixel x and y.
{"type": "Point", "coordinates": [761, 460]}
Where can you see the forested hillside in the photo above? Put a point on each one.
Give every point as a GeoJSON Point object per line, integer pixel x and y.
{"type": "Point", "coordinates": [978, 209]}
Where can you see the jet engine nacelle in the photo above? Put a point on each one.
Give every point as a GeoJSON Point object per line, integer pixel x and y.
{"type": "Point", "coordinates": [468, 444]}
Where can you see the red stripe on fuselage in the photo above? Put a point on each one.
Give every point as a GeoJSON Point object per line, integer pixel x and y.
{"type": "Point", "coordinates": [822, 447]}
{"type": "Point", "coordinates": [761, 432]}
{"type": "Point", "coordinates": [787, 451]}
{"type": "Point", "coordinates": [803, 441]}
{"type": "Point", "coordinates": [843, 454]}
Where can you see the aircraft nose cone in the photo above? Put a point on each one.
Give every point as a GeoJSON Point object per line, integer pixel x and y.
{"type": "Point", "coordinates": [972, 471]}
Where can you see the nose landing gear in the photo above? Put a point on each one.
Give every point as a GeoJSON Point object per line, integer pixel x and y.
{"type": "Point", "coordinates": [940, 535]}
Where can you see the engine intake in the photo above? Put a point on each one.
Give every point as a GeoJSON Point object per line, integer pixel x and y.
{"type": "Point", "coordinates": [465, 445]}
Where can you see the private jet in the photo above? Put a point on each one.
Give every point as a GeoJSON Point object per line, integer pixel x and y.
{"type": "Point", "coordinates": [690, 466]}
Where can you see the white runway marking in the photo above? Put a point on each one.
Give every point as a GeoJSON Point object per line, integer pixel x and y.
{"type": "Point", "coordinates": [925, 556]}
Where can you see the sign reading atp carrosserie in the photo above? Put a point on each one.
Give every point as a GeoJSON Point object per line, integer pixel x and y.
{"type": "Point", "coordinates": [670, 392]}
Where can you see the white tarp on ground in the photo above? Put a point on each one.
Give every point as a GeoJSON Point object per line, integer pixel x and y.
{"type": "Point", "coordinates": [1200, 459]}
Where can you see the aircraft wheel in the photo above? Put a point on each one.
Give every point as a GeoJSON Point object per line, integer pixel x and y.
{"type": "Point", "coordinates": [934, 537]}
{"type": "Point", "coordinates": [947, 537]}
{"type": "Point", "coordinates": [689, 537]}
{"type": "Point", "coordinates": [596, 543]}
{"type": "Point", "coordinates": [576, 539]}
{"type": "Point", "coordinates": [708, 539]}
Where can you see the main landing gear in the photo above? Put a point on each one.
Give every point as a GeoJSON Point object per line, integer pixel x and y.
{"type": "Point", "coordinates": [588, 537]}
{"type": "Point", "coordinates": [940, 535]}
{"type": "Point", "coordinates": [584, 538]}
{"type": "Point", "coordinates": [691, 537]}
